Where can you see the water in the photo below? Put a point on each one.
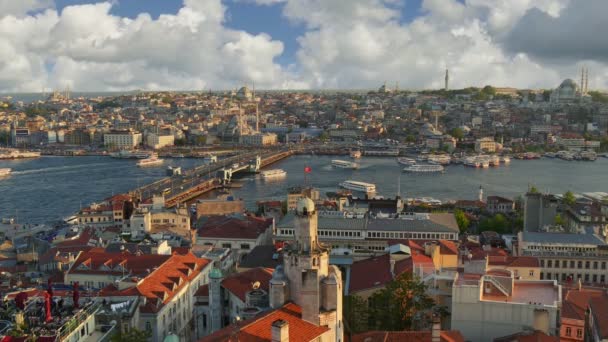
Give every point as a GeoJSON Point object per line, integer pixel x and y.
{"type": "Point", "coordinates": [50, 188]}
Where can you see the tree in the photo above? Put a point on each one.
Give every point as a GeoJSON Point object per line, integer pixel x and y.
{"type": "Point", "coordinates": [559, 221]}
{"type": "Point", "coordinates": [457, 133]}
{"type": "Point", "coordinates": [498, 223]}
{"type": "Point", "coordinates": [462, 220]}
{"type": "Point", "coordinates": [401, 305]}
{"type": "Point", "coordinates": [533, 190]}
{"type": "Point", "coordinates": [133, 335]}
{"type": "Point", "coordinates": [355, 314]}
{"type": "Point", "coordinates": [569, 198]}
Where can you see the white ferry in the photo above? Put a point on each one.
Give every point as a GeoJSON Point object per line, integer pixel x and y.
{"type": "Point", "coordinates": [420, 168]}
{"type": "Point", "coordinates": [343, 164]}
{"type": "Point", "coordinates": [125, 154]}
{"type": "Point", "coordinates": [153, 160]}
{"type": "Point", "coordinates": [273, 174]}
{"type": "Point", "coordinates": [406, 161]}
{"type": "Point", "coordinates": [439, 159]}
{"type": "Point", "coordinates": [471, 162]}
{"type": "Point", "coordinates": [5, 172]}
{"type": "Point", "coordinates": [494, 160]}
{"type": "Point", "coordinates": [358, 186]}
{"type": "Point", "coordinates": [355, 154]}
{"type": "Point", "coordinates": [505, 159]}
{"type": "Point", "coordinates": [16, 154]}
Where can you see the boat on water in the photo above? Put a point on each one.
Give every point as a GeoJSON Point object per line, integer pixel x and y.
{"type": "Point", "coordinates": [494, 160]}
{"type": "Point", "coordinates": [153, 160]}
{"type": "Point", "coordinates": [126, 154]}
{"type": "Point", "coordinates": [343, 164]}
{"type": "Point", "coordinates": [406, 161]}
{"type": "Point", "coordinates": [471, 162]}
{"type": "Point", "coordinates": [273, 174]}
{"type": "Point", "coordinates": [73, 219]}
{"type": "Point", "coordinates": [422, 168]}
{"type": "Point", "coordinates": [11, 153]}
{"type": "Point", "coordinates": [550, 155]}
{"type": "Point", "coordinates": [358, 186]}
{"type": "Point", "coordinates": [439, 159]}
{"type": "Point", "coordinates": [210, 159]}
{"type": "Point", "coordinates": [5, 172]}
{"type": "Point", "coordinates": [505, 159]}
{"type": "Point", "coordinates": [382, 153]}
{"type": "Point", "coordinates": [565, 155]}
{"type": "Point", "coordinates": [355, 154]}
{"type": "Point", "coordinates": [588, 155]}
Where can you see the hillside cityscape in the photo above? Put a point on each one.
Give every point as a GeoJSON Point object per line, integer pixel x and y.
{"type": "Point", "coordinates": [303, 171]}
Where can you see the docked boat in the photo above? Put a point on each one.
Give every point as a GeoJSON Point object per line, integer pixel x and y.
{"type": "Point", "coordinates": [485, 163]}
{"type": "Point", "coordinates": [406, 161]}
{"type": "Point", "coordinates": [73, 219]}
{"type": "Point", "coordinates": [565, 155]}
{"type": "Point", "coordinates": [5, 172]}
{"type": "Point", "coordinates": [273, 174]}
{"type": "Point", "coordinates": [355, 154]}
{"type": "Point", "coordinates": [153, 160]}
{"type": "Point", "coordinates": [505, 159]}
{"type": "Point", "coordinates": [343, 164]}
{"type": "Point", "coordinates": [439, 159]}
{"type": "Point", "coordinates": [471, 162]}
{"type": "Point", "coordinates": [177, 155]}
{"type": "Point", "coordinates": [421, 168]}
{"type": "Point", "coordinates": [358, 186]}
{"type": "Point", "coordinates": [494, 160]}
{"type": "Point", "coordinates": [382, 153]}
{"type": "Point", "coordinates": [10, 153]}
{"type": "Point", "coordinates": [125, 154]}
{"type": "Point", "coordinates": [550, 155]}
{"type": "Point", "coordinates": [588, 155]}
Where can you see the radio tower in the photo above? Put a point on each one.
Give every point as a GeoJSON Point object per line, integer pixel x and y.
{"type": "Point", "coordinates": [447, 79]}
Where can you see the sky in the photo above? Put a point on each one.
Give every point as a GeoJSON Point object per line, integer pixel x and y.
{"type": "Point", "coordinates": [115, 45]}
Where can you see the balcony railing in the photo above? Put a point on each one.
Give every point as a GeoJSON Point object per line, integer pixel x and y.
{"type": "Point", "coordinates": [78, 318]}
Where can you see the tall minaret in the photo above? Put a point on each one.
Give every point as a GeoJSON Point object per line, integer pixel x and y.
{"type": "Point", "coordinates": [582, 85]}
{"type": "Point", "coordinates": [447, 79]}
{"type": "Point", "coordinates": [586, 80]}
{"type": "Point", "coordinates": [480, 194]}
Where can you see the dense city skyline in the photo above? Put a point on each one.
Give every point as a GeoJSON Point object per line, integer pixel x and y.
{"type": "Point", "coordinates": [293, 44]}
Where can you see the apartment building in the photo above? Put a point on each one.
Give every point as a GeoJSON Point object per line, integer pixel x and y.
{"type": "Point", "coordinates": [126, 139]}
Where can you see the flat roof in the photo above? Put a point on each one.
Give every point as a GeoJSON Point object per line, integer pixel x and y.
{"type": "Point", "coordinates": [563, 238]}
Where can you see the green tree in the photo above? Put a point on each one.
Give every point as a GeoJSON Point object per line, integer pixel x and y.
{"type": "Point", "coordinates": [457, 133]}
{"type": "Point", "coordinates": [559, 221]}
{"type": "Point", "coordinates": [324, 136]}
{"type": "Point", "coordinates": [533, 190]}
{"type": "Point", "coordinates": [355, 314]}
{"type": "Point", "coordinates": [401, 305]}
{"type": "Point", "coordinates": [133, 335]}
{"type": "Point", "coordinates": [462, 220]}
{"type": "Point", "coordinates": [498, 223]}
{"type": "Point", "coordinates": [569, 198]}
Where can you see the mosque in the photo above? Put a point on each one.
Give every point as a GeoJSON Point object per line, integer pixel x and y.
{"type": "Point", "coordinates": [569, 91]}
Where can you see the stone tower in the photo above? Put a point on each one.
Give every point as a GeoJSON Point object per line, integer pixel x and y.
{"type": "Point", "coordinates": [306, 278]}
{"type": "Point", "coordinates": [215, 299]}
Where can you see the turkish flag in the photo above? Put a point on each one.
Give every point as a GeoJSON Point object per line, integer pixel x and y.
{"type": "Point", "coordinates": [308, 169]}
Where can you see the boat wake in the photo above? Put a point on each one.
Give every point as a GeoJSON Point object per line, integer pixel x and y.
{"type": "Point", "coordinates": [55, 169]}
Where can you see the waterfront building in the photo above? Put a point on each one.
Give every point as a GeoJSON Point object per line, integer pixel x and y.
{"type": "Point", "coordinates": [364, 236]}
{"type": "Point", "coordinates": [487, 145]}
{"type": "Point", "coordinates": [155, 218]}
{"type": "Point", "coordinates": [498, 304]}
{"type": "Point", "coordinates": [498, 204]}
{"type": "Point", "coordinates": [158, 141]}
{"type": "Point", "coordinates": [126, 139]}
{"type": "Point", "coordinates": [566, 257]}
{"type": "Point", "coordinates": [259, 139]}
{"type": "Point", "coordinates": [305, 293]}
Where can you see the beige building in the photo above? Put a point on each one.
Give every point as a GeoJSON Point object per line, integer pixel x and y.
{"type": "Point", "coordinates": [296, 193]}
{"type": "Point", "coordinates": [260, 139]}
{"type": "Point", "coordinates": [122, 139]}
{"type": "Point", "coordinates": [486, 145]}
{"type": "Point", "coordinates": [157, 141]}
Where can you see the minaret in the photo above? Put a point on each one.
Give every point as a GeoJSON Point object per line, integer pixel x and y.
{"type": "Point", "coordinates": [480, 194]}
{"type": "Point", "coordinates": [582, 85]}
{"type": "Point", "coordinates": [447, 79]}
{"type": "Point", "coordinates": [586, 80]}
{"type": "Point", "coordinates": [215, 299]}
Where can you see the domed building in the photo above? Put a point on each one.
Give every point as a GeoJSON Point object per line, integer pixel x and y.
{"type": "Point", "coordinates": [567, 91]}
{"type": "Point", "coordinates": [244, 93]}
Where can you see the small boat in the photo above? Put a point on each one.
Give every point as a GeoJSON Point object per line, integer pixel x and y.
{"type": "Point", "coordinates": [406, 161]}
{"type": "Point", "coordinates": [550, 155]}
{"type": "Point", "coordinates": [124, 154]}
{"type": "Point", "coordinates": [494, 160]}
{"type": "Point", "coordinates": [471, 162]}
{"type": "Point", "coordinates": [343, 164]}
{"type": "Point", "coordinates": [505, 159]}
{"type": "Point", "coordinates": [439, 159]}
{"type": "Point", "coordinates": [177, 155]}
{"type": "Point", "coordinates": [355, 154]}
{"type": "Point", "coordinates": [420, 168]}
{"type": "Point", "coordinates": [273, 174]}
{"type": "Point", "coordinates": [5, 172]}
{"type": "Point", "coordinates": [71, 219]}
{"type": "Point", "coordinates": [153, 160]}
{"type": "Point", "coordinates": [358, 186]}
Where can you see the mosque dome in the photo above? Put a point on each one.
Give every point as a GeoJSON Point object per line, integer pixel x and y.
{"type": "Point", "coordinates": [568, 83]}
{"type": "Point", "coordinates": [215, 273]}
{"type": "Point", "coordinates": [305, 205]}
{"type": "Point", "coordinates": [171, 338]}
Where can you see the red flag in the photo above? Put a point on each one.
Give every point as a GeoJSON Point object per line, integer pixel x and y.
{"type": "Point", "coordinates": [47, 305]}
{"type": "Point", "coordinates": [308, 169]}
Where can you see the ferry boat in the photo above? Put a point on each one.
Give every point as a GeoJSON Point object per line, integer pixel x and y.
{"type": "Point", "coordinates": [153, 160]}
{"type": "Point", "coordinates": [588, 155]}
{"type": "Point", "coordinates": [272, 174]}
{"type": "Point", "coordinates": [471, 162]}
{"type": "Point", "coordinates": [5, 172]}
{"type": "Point", "coordinates": [382, 153]}
{"type": "Point", "coordinates": [439, 159]}
{"type": "Point", "coordinates": [358, 186]}
{"type": "Point", "coordinates": [125, 154]}
{"type": "Point", "coordinates": [16, 154]}
{"type": "Point", "coordinates": [406, 161]}
{"type": "Point", "coordinates": [355, 154]}
{"type": "Point", "coordinates": [344, 164]}
{"type": "Point", "coordinates": [494, 160]}
{"type": "Point", "coordinates": [565, 155]}
{"type": "Point", "coordinates": [420, 168]}
{"type": "Point", "coordinates": [505, 159]}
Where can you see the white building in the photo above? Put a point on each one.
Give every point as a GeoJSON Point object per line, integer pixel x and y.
{"type": "Point", "coordinates": [260, 139]}
{"type": "Point", "coordinates": [122, 139]}
{"type": "Point", "coordinates": [157, 141]}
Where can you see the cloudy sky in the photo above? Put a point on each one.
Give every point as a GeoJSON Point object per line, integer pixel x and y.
{"type": "Point", "coordinates": [92, 45]}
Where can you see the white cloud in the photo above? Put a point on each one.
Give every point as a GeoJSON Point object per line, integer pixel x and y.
{"type": "Point", "coordinates": [22, 7]}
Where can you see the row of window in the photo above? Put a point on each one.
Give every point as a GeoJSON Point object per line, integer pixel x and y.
{"type": "Point", "coordinates": [579, 332]}
{"type": "Point", "coordinates": [573, 264]}
{"type": "Point", "coordinates": [565, 277]}
{"type": "Point", "coordinates": [92, 219]}
{"type": "Point", "coordinates": [562, 248]}
{"type": "Point", "coordinates": [244, 246]}
{"type": "Point", "coordinates": [386, 235]}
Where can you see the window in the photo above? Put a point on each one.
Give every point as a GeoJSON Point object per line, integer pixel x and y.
{"type": "Point", "coordinates": [603, 265]}
{"type": "Point", "coordinates": [245, 246]}
{"type": "Point", "coordinates": [542, 263]}
{"type": "Point", "coordinates": [568, 331]}
{"type": "Point", "coordinates": [571, 263]}
{"type": "Point", "coordinates": [564, 264]}
{"type": "Point", "coordinates": [549, 263]}
{"type": "Point", "coordinates": [542, 276]}
{"type": "Point", "coordinates": [556, 264]}
{"type": "Point", "coordinates": [531, 273]}
{"type": "Point", "coordinates": [579, 333]}
{"type": "Point", "coordinates": [148, 326]}
{"type": "Point", "coordinates": [580, 264]}
{"type": "Point", "coordinates": [595, 265]}
{"type": "Point", "coordinates": [587, 264]}
{"type": "Point", "coordinates": [226, 245]}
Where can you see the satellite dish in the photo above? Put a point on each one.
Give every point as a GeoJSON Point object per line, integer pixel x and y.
{"type": "Point", "coordinates": [256, 285]}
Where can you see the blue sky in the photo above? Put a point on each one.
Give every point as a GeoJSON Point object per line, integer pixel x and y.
{"type": "Point", "coordinates": [241, 15]}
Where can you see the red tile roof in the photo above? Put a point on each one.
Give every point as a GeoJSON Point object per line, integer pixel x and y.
{"type": "Point", "coordinates": [96, 258]}
{"type": "Point", "coordinates": [448, 247]}
{"type": "Point", "coordinates": [259, 329]}
{"type": "Point", "coordinates": [231, 227]}
{"type": "Point", "coordinates": [240, 283]}
{"type": "Point", "coordinates": [576, 302]}
{"type": "Point", "coordinates": [514, 261]}
{"type": "Point", "coordinates": [599, 308]}
{"type": "Point", "coordinates": [82, 240]}
{"type": "Point", "coordinates": [536, 336]}
{"type": "Point", "coordinates": [406, 336]}
{"type": "Point", "coordinates": [380, 267]}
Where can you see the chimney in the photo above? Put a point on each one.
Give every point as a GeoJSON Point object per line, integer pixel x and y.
{"type": "Point", "coordinates": [436, 331]}
{"type": "Point", "coordinates": [580, 284]}
{"type": "Point", "coordinates": [280, 331]}
{"type": "Point", "coordinates": [392, 262]}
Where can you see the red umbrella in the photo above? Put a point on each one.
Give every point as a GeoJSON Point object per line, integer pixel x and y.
{"type": "Point", "coordinates": [50, 287]}
{"type": "Point", "coordinates": [75, 295]}
{"type": "Point", "coordinates": [47, 304]}
{"type": "Point", "coordinates": [20, 300]}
